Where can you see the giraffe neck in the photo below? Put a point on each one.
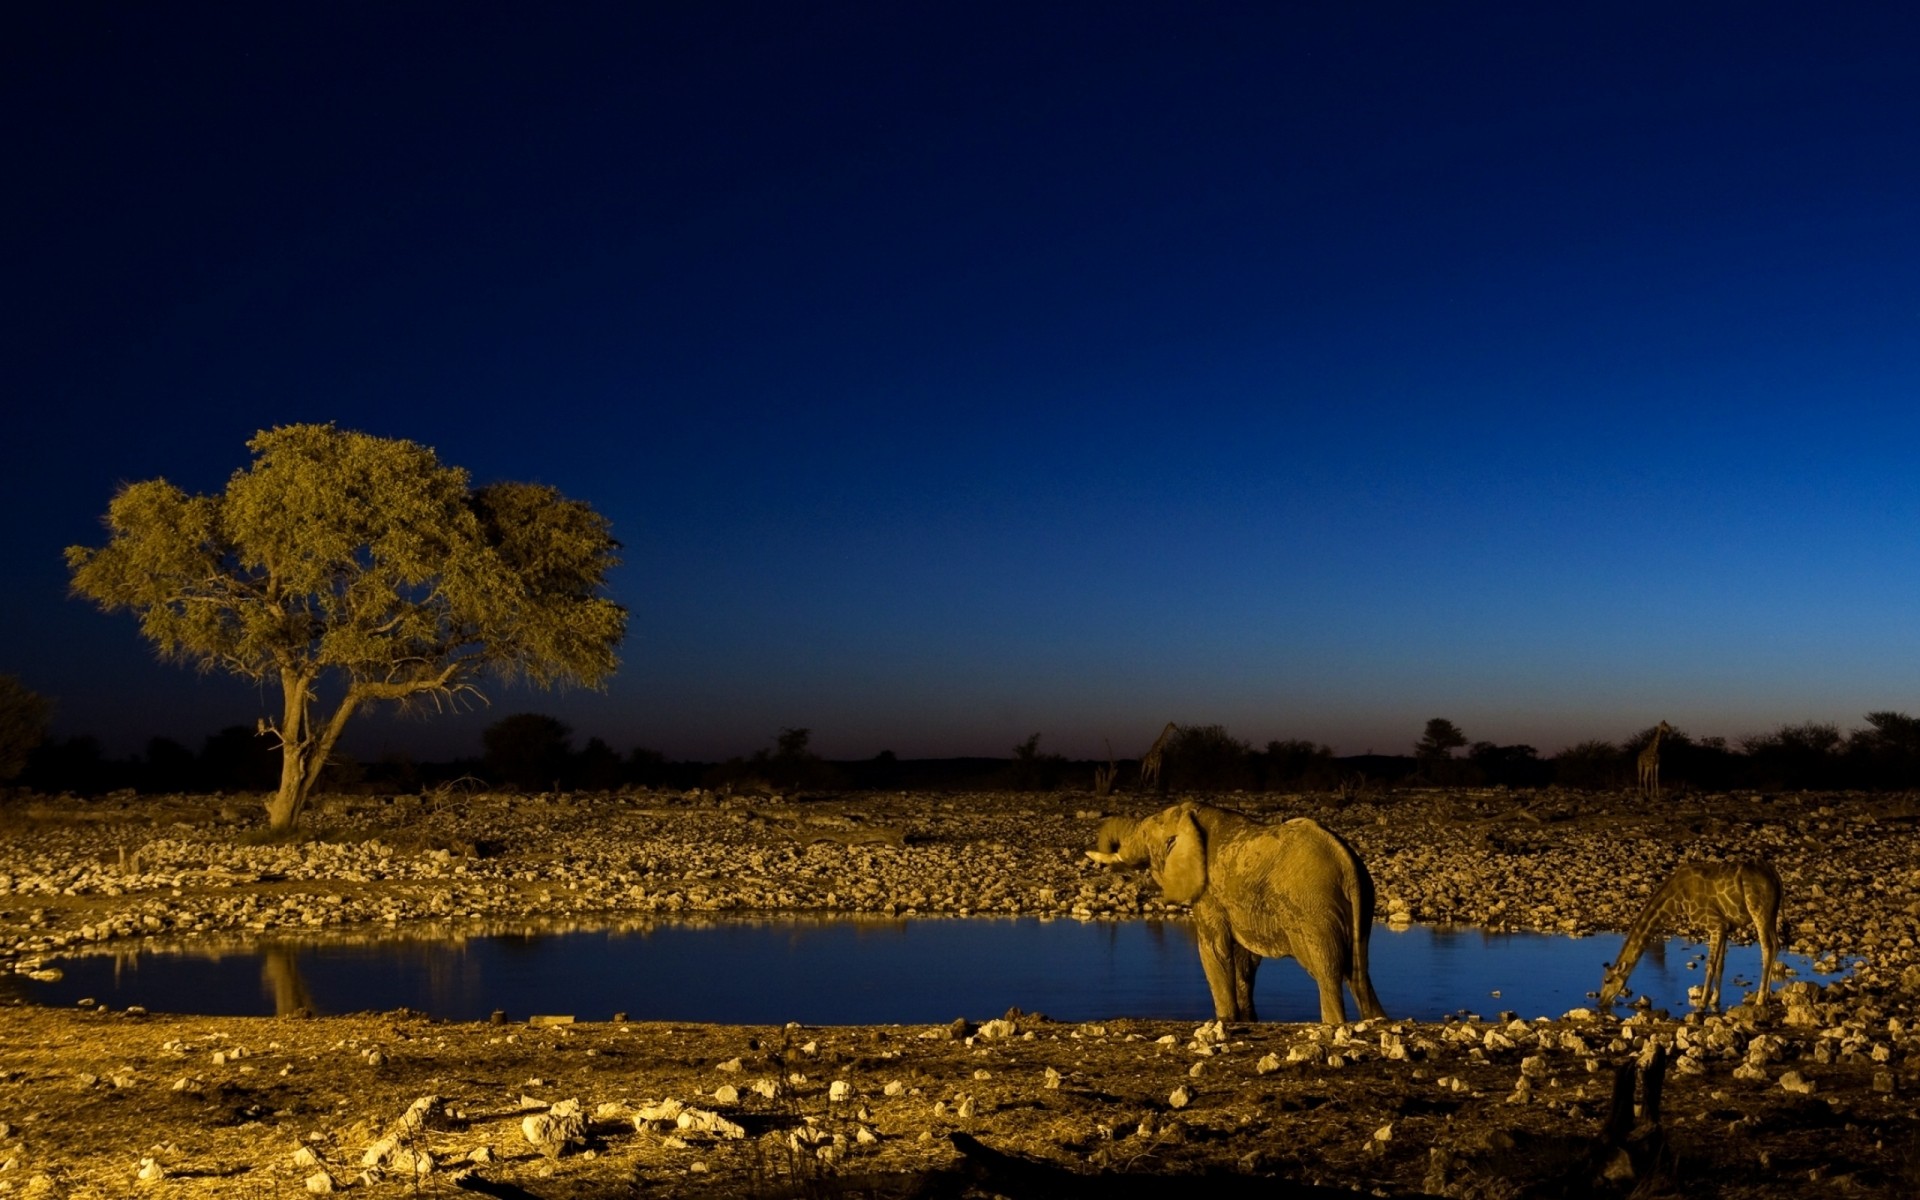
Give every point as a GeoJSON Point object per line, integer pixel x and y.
{"type": "Point", "coordinates": [1642, 929]}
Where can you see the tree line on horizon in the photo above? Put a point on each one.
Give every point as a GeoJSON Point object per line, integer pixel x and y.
{"type": "Point", "coordinates": [533, 752]}
{"type": "Point", "coordinates": [345, 571]}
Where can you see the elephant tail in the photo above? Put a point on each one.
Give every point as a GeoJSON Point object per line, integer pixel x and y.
{"type": "Point", "coordinates": [1360, 903]}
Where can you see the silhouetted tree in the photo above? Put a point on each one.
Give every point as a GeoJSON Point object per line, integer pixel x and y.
{"type": "Point", "coordinates": [1206, 758]}
{"type": "Point", "coordinates": [597, 768]}
{"type": "Point", "coordinates": [1887, 753]}
{"type": "Point", "coordinates": [358, 564]}
{"type": "Point", "coordinates": [1434, 753]}
{"type": "Point", "coordinates": [647, 768]}
{"type": "Point", "coordinates": [1593, 765]}
{"type": "Point", "coordinates": [74, 764]}
{"type": "Point", "coordinates": [1440, 740]}
{"type": "Point", "coordinates": [1299, 764]}
{"type": "Point", "coordinates": [170, 767]}
{"type": "Point", "coordinates": [239, 758]}
{"type": "Point", "coordinates": [792, 765]}
{"type": "Point", "coordinates": [1794, 756]}
{"type": "Point", "coordinates": [1033, 771]}
{"type": "Point", "coordinates": [528, 751]}
{"type": "Point", "coordinates": [24, 714]}
{"type": "Point", "coordinates": [1508, 766]}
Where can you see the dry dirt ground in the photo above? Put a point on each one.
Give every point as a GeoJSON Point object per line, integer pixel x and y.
{"type": "Point", "coordinates": [1812, 1097]}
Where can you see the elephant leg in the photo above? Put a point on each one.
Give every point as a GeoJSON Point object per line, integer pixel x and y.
{"type": "Point", "coordinates": [1218, 953]}
{"type": "Point", "coordinates": [1245, 964]}
{"type": "Point", "coordinates": [1363, 995]}
{"type": "Point", "coordinates": [1333, 1004]}
{"type": "Point", "coordinates": [1327, 971]}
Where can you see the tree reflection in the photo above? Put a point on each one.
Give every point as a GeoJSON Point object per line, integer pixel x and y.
{"type": "Point", "coordinates": [280, 972]}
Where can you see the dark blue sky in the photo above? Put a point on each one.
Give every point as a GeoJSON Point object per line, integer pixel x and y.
{"type": "Point", "coordinates": [956, 371]}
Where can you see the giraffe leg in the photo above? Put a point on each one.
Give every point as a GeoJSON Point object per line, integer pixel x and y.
{"type": "Point", "coordinates": [1766, 925]}
{"type": "Point", "coordinates": [1716, 963]}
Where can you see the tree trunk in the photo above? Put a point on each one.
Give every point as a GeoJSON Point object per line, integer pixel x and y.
{"type": "Point", "coordinates": [303, 753]}
{"type": "Point", "coordinates": [283, 811]}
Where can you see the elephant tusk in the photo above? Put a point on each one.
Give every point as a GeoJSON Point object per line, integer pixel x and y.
{"type": "Point", "coordinates": [1103, 858]}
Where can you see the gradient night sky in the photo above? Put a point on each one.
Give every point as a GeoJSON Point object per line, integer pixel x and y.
{"type": "Point", "coordinates": [956, 371]}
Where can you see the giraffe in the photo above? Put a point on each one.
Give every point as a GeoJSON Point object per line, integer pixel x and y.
{"type": "Point", "coordinates": [1650, 762]}
{"type": "Point", "coordinates": [1150, 761]}
{"type": "Point", "coordinates": [1717, 896]}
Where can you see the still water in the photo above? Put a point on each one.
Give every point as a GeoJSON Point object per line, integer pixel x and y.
{"type": "Point", "coordinates": [856, 972]}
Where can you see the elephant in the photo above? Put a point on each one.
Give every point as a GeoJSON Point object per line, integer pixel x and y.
{"type": "Point", "coordinates": [1257, 890]}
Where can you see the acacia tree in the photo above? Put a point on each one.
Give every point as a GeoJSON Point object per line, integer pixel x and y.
{"type": "Point", "coordinates": [1440, 740]}
{"type": "Point", "coordinates": [363, 569]}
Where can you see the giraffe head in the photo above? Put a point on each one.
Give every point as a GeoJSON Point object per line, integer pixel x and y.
{"type": "Point", "coordinates": [1612, 985]}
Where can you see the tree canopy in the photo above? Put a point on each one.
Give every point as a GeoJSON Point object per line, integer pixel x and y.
{"type": "Point", "coordinates": [1440, 740]}
{"type": "Point", "coordinates": [361, 566]}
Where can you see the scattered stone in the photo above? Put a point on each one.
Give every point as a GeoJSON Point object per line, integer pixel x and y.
{"type": "Point", "coordinates": [557, 1130]}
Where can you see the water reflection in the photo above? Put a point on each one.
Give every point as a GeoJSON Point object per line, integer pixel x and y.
{"type": "Point", "coordinates": [769, 970]}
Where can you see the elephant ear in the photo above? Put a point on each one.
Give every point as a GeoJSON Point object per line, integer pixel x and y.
{"type": "Point", "coordinates": [1184, 876]}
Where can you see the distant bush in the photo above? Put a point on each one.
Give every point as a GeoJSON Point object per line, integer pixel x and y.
{"type": "Point", "coordinates": [1298, 765]}
{"type": "Point", "coordinates": [1032, 771]}
{"type": "Point", "coordinates": [23, 725]}
{"type": "Point", "coordinates": [1593, 765]}
{"type": "Point", "coordinates": [1509, 766]}
{"type": "Point", "coordinates": [1207, 758]}
{"type": "Point", "coordinates": [529, 751]}
{"type": "Point", "coordinates": [1794, 757]}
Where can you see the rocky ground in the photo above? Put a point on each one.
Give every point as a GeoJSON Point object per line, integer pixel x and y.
{"type": "Point", "coordinates": [1811, 1097]}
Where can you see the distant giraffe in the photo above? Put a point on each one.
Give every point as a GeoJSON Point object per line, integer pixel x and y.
{"type": "Point", "coordinates": [1150, 761]}
{"type": "Point", "coordinates": [1650, 762]}
{"type": "Point", "coordinates": [1715, 896]}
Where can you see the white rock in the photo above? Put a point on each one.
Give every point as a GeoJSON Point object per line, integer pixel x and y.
{"type": "Point", "coordinates": [699, 1120]}
{"type": "Point", "coordinates": [320, 1183]}
{"type": "Point", "coordinates": [1182, 1096]}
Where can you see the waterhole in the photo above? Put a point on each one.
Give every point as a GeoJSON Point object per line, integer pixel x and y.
{"type": "Point", "coordinates": [857, 972]}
